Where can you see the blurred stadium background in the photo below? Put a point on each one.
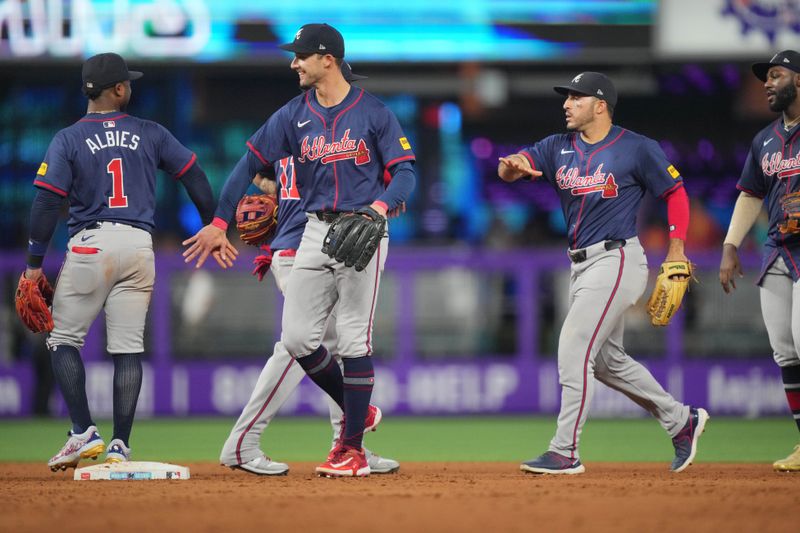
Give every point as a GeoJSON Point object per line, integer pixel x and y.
{"type": "Point", "coordinates": [475, 289]}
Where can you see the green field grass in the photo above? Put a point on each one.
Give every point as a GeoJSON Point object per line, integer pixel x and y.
{"type": "Point", "coordinates": [421, 439]}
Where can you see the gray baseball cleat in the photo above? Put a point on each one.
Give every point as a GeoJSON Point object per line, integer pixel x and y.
{"type": "Point", "coordinates": [553, 463]}
{"type": "Point", "coordinates": [381, 465]}
{"type": "Point", "coordinates": [261, 466]}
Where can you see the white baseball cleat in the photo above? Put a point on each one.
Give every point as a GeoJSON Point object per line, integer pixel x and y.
{"type": "Point", "coordinates": [87, 445]}
{"type": "Point", "coordinates": [381, 465]}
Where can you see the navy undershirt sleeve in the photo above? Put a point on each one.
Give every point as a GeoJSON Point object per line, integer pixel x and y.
{"type": "Point", "coordinates": [44, 218]}
{"type": "Point", "coordinates": [401, 186]}
{"type": "Point", "coordinates": [199, 189]}
{"type": "Point", "coordinates": [237, 183]}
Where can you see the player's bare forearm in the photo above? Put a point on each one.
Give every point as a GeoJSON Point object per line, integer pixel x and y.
{"type": "Point", "coordinates": [514, 166]}
{"type": "Point", "coordinates": [675, 252]}
{"type": "Point", "coordinates": [33, 273]}
{"type": "Point", "coordinates": [729, 268]}
{"type": "Point", "coordinates": [210, 240]}
{"type": "Point", "coordinates": [265, 184]}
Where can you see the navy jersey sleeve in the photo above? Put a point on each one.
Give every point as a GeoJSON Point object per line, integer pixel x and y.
{"type": "Point", "coordinates": [392, 142]}
{"type": "Point", "coordinates": [540, 155]}
{"type": "Point", "coordinates": [271, 143]}
{"type": "Point", "coordinates": [655, 172]}
{"type": "Point", "coordinates": [55, 172]}
{"type": "Point", "coordinates": [174, 158]}
{"type": "Point", "coordinates": [752, 180]}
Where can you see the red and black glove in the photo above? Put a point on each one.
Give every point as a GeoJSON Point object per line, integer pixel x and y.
{"type": "Point", "coordinates": [262, 262]}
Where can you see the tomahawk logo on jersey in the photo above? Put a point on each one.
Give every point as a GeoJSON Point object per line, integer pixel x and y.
{"type": "Point", "coordinates": [586, 175]}
{"type": "Point", "coordinates": [344, 150]}
{"type": "Point", "coordinates": [104, 165]}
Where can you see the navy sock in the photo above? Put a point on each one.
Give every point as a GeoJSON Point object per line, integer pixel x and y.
{"type": "Point", "coordinates": [359, 378]}
{"type": "Point", "coordinates": [127, 384]}
{"type": "Point", "coordinates": [325, 372]}
{"type": "Point", "coordinates": [71, 378]}
{"type": "Point", "coordinates": [791, 384]}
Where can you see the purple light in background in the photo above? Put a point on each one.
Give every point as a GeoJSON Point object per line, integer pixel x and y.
{"type": "Point", "coordinates": [731, 76]}
{"type": "Point", "coordinates": [670, 151]}
{"type": "Point", "coordinates": [481, 147]}
{"type": "Point", "coordinates": [673, 84]}
{"type": "Point", "coordinates": [434, 221]}
{"type": "Point", "coordinates": [699, 78]}
{"type": "Point", "coordinates": [705, 149]}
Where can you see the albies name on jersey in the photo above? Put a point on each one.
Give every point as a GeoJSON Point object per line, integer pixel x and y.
{"type": "Point", "coordinates": [578, 185]}
{"type": "Point", "coordinates": [121, 138]}
{"type": "Point", "coordinates": [775, 163]}
{"type": "Point", "coordinates": [345, 148]}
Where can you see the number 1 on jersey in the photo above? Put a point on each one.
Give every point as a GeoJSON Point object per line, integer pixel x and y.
{"type": "Point", "coordinates": [287, 179]}
{"type": "Point", "coordinates": [117, 198]}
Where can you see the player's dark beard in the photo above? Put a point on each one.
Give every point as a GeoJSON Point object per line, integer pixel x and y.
{"type": "Point", "coordinates": [784, 98]}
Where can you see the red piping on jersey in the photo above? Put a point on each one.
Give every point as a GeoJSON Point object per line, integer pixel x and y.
{"type": "Point", "coordinates": [49, 187]}
{"type": "Point", "coordinates": [527, 156]}
{"type": "Point", "coordinates": [257, 153]}
{"type": "Point", "coordinates": [333, 137]}
{"type": "Point", "coordinates": [748, 191]}
{"type": "Point", "coordinates": [791, 259]}
{"type": "Point", "coordinates": [589, 351]}
{"type": "Point", "coordinates": [104, 119]}
{"type": "Point", "coordinates": [588, 163]}
{"type": "Point", "coordinates": [187, 167]}
{"type": "Point", "coordinates": [255, 418]}
{"type": "Point", "coordinates": [671, 190]}
{"type": "Point", "coordinates": [374, 297]}
{"type": "Point", "coordinates": [311, 108]}
{"type": "Point", "coordinates": [575, 144]}
{"type": "Point", "coordinates": [399, 160]}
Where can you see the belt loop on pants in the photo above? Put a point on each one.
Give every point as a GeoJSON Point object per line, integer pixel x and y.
{"type": "Point", "coordinates": [582, 254]}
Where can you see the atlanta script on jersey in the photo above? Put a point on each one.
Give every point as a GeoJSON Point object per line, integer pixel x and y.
{"type": "Point", "coordinates": [772, 170]}
{"type": "Point", "coordinates": [601, 185]}
{"type": "Point", "coordinates": [104, 164]}
{"type": "Point", "coordinates": [343, 150]}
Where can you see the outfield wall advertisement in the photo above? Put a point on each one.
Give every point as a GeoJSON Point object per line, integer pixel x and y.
{"type": "Point", "coordinates": [742, 388]}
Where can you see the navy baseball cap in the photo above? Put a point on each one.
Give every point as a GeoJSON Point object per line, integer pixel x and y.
{"type": "Point", "coordinates": [787, 59]}
{"type": "Point", "coordinates": [316, 39]}
{"type": "Point", "coordinates": [104, 70]}
{"type": "Point", "coordinates": [591, 84]}
{"type": "Point", "coordinates": [348, 73]}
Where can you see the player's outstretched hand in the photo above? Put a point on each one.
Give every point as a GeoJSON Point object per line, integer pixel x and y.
{"type": "Point", "coordinates": [210, 240]}
{"type": "Point", "coordinates": [729, 268]}
{"type": "Point", "coordinates": [513, 167]}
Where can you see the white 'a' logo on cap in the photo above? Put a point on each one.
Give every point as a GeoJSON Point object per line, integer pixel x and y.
{"type": "Point", "coordinates": [577, 79]}
{"type": "Point", "coordinates": [297, 35]}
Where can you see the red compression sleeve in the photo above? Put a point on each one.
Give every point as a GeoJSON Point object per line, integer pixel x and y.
{"type": "Point", "coordinates": [678, 213]}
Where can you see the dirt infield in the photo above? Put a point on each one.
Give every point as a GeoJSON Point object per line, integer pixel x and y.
{"type": "Point", "coordinates": [486, 497]}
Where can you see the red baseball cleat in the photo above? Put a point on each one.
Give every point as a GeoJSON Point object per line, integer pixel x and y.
{"type": "Point", "coordinates": [345, 461]}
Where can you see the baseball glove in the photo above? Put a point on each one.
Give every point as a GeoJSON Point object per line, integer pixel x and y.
{"type": "Point", "coordinates": [256, 218]}
{"type": "Point", "coordinates": [33, 300]}
{"type": "Point", "coordinates": [791, 207]}
{"type": "Point", "coordinates": [671, 284]}
{"type": "Point", "coordinates": [353, 238]}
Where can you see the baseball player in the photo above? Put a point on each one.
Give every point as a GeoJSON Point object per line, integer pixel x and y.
{"type": "Point", "coordinates": [600, 172]}
{"type": "Point", "coordinates": [105, 165]}
{"type": "Point", "coordinates": [343, 140]}
{"type": "Point", "coordinates": [281, 375]}
{"type": "Point", "coordinates": [770, 172]}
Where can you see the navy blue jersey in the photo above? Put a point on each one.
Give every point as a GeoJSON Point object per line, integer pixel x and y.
{"type": "Point", "coordinates": [601, 185]}
{"type": "Point", "coordinates": [106, 166]}
{"type": "Point", "coordinates": [771, 170]}
{"type": "Point", "coordinates": [340, 153]}
{"type": "Point", "coordinates": [291, 217]}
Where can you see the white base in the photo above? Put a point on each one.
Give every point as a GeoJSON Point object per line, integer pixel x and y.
{"type": "Point", "coordinates": [131, 470]}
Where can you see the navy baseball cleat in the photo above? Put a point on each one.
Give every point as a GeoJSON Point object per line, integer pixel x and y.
{"type": "Point", "coordinates": [685, 442]}
{"type": "Point", "coordinates": [553, 463]}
